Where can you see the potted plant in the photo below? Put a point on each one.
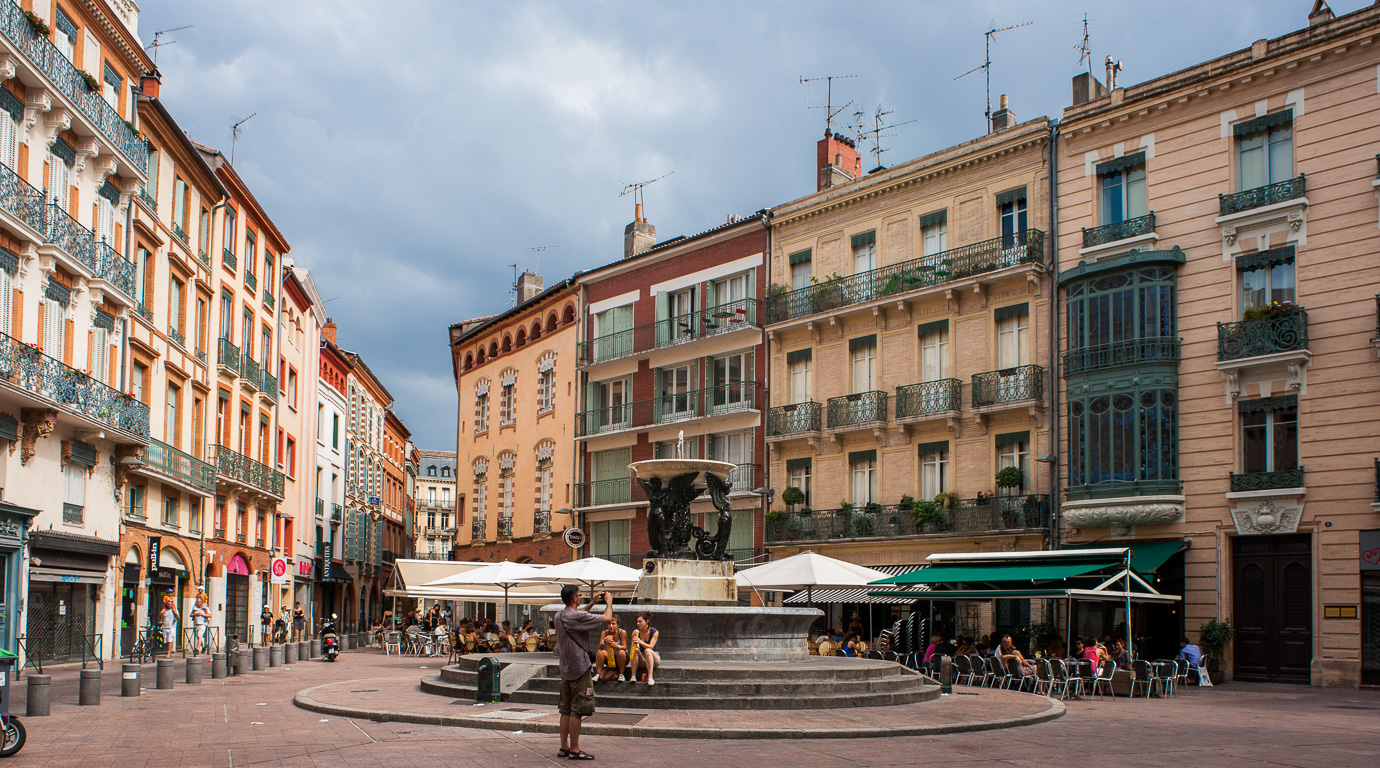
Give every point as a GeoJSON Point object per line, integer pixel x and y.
{"type": "Point", "coordinates": [1272, 310]}
{"type": "Point", "coordinates": [792, 496]}
{"type": "Point", "coordinates": [945, 499]}
{"type": "Point", "coordinates": [36, 24]}
{"type": "Point", "coordinates": [92, 84]}
{"type": "Point", "coordinates": [1214, 636]}
{"type": "Point", "coordinates": [1010, 477]}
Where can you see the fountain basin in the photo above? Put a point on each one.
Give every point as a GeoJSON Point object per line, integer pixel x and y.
{"type": "Point", "coordinates": [693, 633]}
{"type": "Point", "coordinates": [666, 469]}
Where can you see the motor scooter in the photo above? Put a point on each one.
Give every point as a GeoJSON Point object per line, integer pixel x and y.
{"type": "Point", "coordinates": [330, 643]}
{"type": "Point", "coordinates": [11, 730]}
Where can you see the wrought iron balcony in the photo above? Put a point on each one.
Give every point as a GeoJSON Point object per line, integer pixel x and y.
{"type": "Point", "coordinates": [1267, 481]}
{"type": "Point", "coordinates": [239, 537]}
{"type": "Point", "coordinates": [1119, 230]}
{"type": "Point", "coordinates": [27, 367]}
{"type": "Point", "coordinates": [337, 513]}
{"type": "Point", "coordinates": [73, 514]}
{"type": "Point", "coordinates": [320, 507]}
{"type": "Point", "coordinates": [746, 478]}
{"type": "Point", "coordinates": [700, 324]}
{"type": "Point", "coordinates": [246, 471]}
{"type": "Point", "coordinates": [917, 274]}
{"type": "Point", "coordinates": [64, 232]}
{"type": "Point", "coordinates": [793, 419]}
{"type": "Point", "coordinates": [1260, 197]}
{"type": "Point", "coordinates": [1162, 349]}
{"type": "Point", "coordinates": [228, 257]}
{"type": "Point", "coordinates": [505, 528]}
{"type": "Point", "coordinates": [1115, 489]}
{"type": "Point", "coordinates": [928, 398]}
{"type": "Point", "coordinates": [220, 533]}
{"type": "Point", "coordinates": [541, 522]}
{"type": "Point", "coordinates": [713, 401]}
{"type": "Point", "coordinates": [148, 199]}
{"type": "Point", "coordinates": [858, 409]}
{"type": "Point", "coordinates": [269, 301]}
{"type": "Point", "coordinates": [251, 281]}
{"type": "Point", "coordinates": [599, 492]}
{"type": "Point", "coordinates": [1284, 332]}
{"type": "Point", "coordinates": [1009, 385]}
{"type": "Point", "coordinates": [988, 515]}
{"type": "Point", "coordinates": [228, 356]}
{"type": "Point", "coordinates": [201, 354]}
{"type": "Point", "coordinates": [65, 77]}
{"type": "Point", "coordinates": [477, 529]}
{"type": "Point", "coordinates": [270, 387]}
{"type": "Point", "coordinates": [204, 256]}
{"type": "Point", "coordinates": [115, 269]}
{"type": "Point", "coordinates": [260, 542]}
{"type": "Point", "coordinates": [143, 311]}
{"type": "Point", "coordinates": [167, 460]}
{"type": "Point", "coordinates": [251, 373]}
{"type": "Point", "coordinates": [21, 200]}
{"type": "Point", "coordinates": [180, 234]}
{"type": "Point", "coordinates": [177, 337]}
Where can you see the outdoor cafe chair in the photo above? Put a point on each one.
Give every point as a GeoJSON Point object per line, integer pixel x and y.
{"type": "Point", "coordinates": [1013, 667]}
{"type": "Point", "coordinates": [1181, 667]}
{"type": "Point", "coordinates": [963, 670]}
{"type": "Point", "coordinates": [1143, 676]}
{"type": "Point", "coordinates": [1072, 684]}
{"type": "Point", "coordinates": [1000, 675]}
{"type": "Point", "coordinates": [981, 674]}
{"type": "Point", "coordinates": [392, 643]}
{"type": "Point", "coordinates": [1167, 671]}
{"type": "Point", "coordinates": [1103, 679]}
{"type": "Point", "coordinates": [827, 648]}
{"type": "Point", "coordinates": [813, 646]}
{"type": "Point", "coordinates": [1044, 678]}
{"type": "Point", "coordinates": [533, 643]}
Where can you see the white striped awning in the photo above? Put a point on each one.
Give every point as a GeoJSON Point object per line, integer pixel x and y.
{"type": "Point", "coordinates": [859, 594]}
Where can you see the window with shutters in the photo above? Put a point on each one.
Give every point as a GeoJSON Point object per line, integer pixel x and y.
{"type": "Point", "coordinates": [6, 300]}
{"type": "Point", "coordinates": [54, 334]}
{"type": "Point", "coordinates": [171, 513]}
{"type": "Point", "coordinates": [100, 353]}
{"type": "Point", "coordinates": [266, 347]}
{"type": "Point", "coordinates": [74, 492]}
{"type": "Point", "coordinates": [228, 236]}
{"type": "Point", "coordinates": [172, 435]}
{"type": "Point", "coordinates": [59, 188]}
{"type": "Point", "coordinates": [175, 323]}
{"type": "Point", "coordinates": [105, 221]}
{"type": "Point", "coordinates": [546, 390]}
{"type": "Point", "coordinates": [802, 378]}
{"type": "Point", "coordinates": [934, 354]}
{"type": "Point", "coordinates": [508, 404]}
{"type": "Point", "coordinates": [65, 36]}
{"type": "Point", "coordinates": [179, 205]}
{"type": "Point", "coordinates": [251, 252]}
{"type": "Point", "coordinates": [9, 144]}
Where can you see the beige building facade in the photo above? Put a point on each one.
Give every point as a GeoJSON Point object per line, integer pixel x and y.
{"type": "Point", "coordinates": [438, 505]}
{"type": "Point", "coordinates": [1218, 292]}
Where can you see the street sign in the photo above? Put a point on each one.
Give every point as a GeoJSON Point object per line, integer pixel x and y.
{"type": "Point", "coordinates": [155, 549]}
{"type": "Point", "coordinates": [374, 501]}
{"type": "Point", "coordinates": [279, 568]}
{"type": "Point", "coordinates": [574, 537]}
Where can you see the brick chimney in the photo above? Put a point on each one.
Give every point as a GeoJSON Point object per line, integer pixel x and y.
{"type": "Point", "coordinates": [150, 82]}
{"type": "Point", "coordinates": [837, 161]}
{"type": "Point", "coordinates": [1003, 117]}
{"type": "Point", "coordinates": [328, 330]}
{"type": "Point", "coordinates": [528, 286]}
{"type": "Point", "coordinates": [639, 236]}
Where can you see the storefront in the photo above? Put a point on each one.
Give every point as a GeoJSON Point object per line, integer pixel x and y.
{"type": "Point", "coordinates": [237, 598]}
{"type": "Point", "coordinates": [168, 575]}
{"type": "Point", "coordinates": [302, 588]}
{"type": "Point", "coordinates": [66, 574]}
{"type": "Point", "coordinates": [1370, 608]}
{"type": "Point", "coordinates": [129, 602]}
{"type": "Point", "coordinates": [14, 530]}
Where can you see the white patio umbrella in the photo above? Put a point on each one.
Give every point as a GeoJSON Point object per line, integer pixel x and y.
{"type": "Point", "coordinates": [506, 574]}
{"type": "Point", "coordinates": [807, 570]}
{"type": "Point", "coordinates": [589, 572]}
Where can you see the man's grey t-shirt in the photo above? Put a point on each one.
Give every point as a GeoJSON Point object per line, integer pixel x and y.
{"type": "Point", "coordinates": [574, 657]}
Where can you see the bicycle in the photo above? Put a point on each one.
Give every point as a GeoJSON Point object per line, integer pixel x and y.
{"type": "Point", "coordinates": [148, 646]}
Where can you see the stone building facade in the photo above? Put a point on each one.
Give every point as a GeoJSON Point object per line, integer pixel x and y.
{"type": "Point", "coordinates": [438, 504]}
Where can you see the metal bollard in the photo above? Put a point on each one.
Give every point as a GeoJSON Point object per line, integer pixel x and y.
{"type": "Point", "coordinates": [290, 653]}
{"type": "Point", "coordinates": [129, 679]}
{"type": "Point", "coordinates": [316, 647]}
{"type": "Point", "coordinates": [218, 666]}
{"type": "Point", "coordinates": [195, 665]}
{"type": "Point", "coordinates": [89, 688]}
{"type": "Point", "coordinates": [303, 650]}
{"type": "Point", "coordinates": [344, 643]}
{"type": "Point", "coordinates": [275, 656]}
{"type": "Point", "coordinates": [165, 674]}
{"type": "Point", "coordinates": [946, 674]}
{"type": "Point", "coordinates": [40, 696]}
{"type": "Point", "coordinates": [260, 658]}
{"type": "Point", "coordinates": [245, 662]}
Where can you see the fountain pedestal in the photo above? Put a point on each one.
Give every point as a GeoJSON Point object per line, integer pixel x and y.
{"type": "Point", "coordinates": [687, 582]}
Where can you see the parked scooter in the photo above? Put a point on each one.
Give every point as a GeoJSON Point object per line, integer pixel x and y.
{"type": "Point", "coordinates": [330, 643]}
{"type": "Point", "coordinates": [13, 735]}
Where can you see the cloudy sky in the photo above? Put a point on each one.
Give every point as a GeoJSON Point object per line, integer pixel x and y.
{"type": "Point", "coordinates": [411, 149]}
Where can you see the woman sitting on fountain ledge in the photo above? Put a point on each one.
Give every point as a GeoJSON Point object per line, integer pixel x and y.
{"type": "Point", "coordinates": [644, 646]}
{"type": "Point", "coordinates": [613, 653]}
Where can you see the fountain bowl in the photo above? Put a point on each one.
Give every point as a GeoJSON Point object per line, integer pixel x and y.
{"type": "Point", "coordinates": [666, 469]}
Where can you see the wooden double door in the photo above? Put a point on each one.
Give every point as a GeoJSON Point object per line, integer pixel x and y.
{"type": "Point", "coordinates": [1273, 588]}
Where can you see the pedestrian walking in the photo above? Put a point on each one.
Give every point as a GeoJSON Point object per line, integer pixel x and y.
{"type": "Point", "coordinates": [299, 624]}
{"type": "Point", "coordinates": [266, 626]}
{"type": "Point", "coordinates": [167, 621]}
{"type": "Point", "coordinates": [577, 685]}
{"type": "Point", "coordinates": [201, 618]}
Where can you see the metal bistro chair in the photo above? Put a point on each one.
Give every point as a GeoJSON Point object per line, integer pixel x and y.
{"type": "Point", "coordinates": [1167, 671]}
{"type": "Point", "coordinates": [963, 670]}
{"type": "Point", "coordinates": [1013, 667]}
{"type": "Point", "coordinates": [392, 643]}
{"type": "Point", "coordinates": [1044, 678]}
{"type": "Point", "coordinates": [1073, 684]}
{"type": "Point", "coordinates": [1000, 675]}
{"type": "Point", "coordinates": [1143, 676]}
{"type": "Point", "coordinates": [1181, 667]}
{"type": "Point", "coordinates": [1103, 679]}
{"type": "Point", "coordinates": [981, 674]}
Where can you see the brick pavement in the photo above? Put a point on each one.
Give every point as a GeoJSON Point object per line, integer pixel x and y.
{"type": "Point", "coordinates": [251, 721]}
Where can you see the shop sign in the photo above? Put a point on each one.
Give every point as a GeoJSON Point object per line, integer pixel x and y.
{"type": "Point", "coordinates": [155, 549]}
{"type": "Point", "coordinates": [279, 568]}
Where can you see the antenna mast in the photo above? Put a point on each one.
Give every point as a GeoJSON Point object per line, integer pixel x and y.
{"type": "Point", "coordinates": [1085, 48]}
{"type": "Point", "coordinates": [635, 189]}
{"type": "Point", "coordinates": [235, 136]}
{"type": "Point", "coordinates": [156, 44]}
{"type": "Point", "coordinates": [877, 132]}
{"type": "Point", "coordinates": [987, 64]}
{"type": "Point", "coordinates": [829, 112]}
{"type": "Point", "coordinates": [538, 249]}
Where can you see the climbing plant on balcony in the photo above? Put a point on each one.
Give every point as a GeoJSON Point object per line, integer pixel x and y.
{"type": "Point", "coordinates": [37, 24]}
{"type": "Point", "coordinates": [1273, 309]}
{"type": "Point", "coordinates": [92, 84]}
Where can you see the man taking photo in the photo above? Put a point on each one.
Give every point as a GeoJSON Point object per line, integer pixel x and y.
{"type": "Point", "coordinates": [577, 684]}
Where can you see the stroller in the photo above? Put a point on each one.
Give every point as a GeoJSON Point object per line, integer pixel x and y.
{"type": "Point", "coordinates": [280, 631]}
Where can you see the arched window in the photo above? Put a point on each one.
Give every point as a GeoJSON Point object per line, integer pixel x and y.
{"type": "Point", "coordinates": [521, 336]}
{"type": "Point", "coordinates": [541, 519]}
{"type": "Point", "coordinates": [551, 322]}
{"type": "Point", "coordinates": [546, 383]}
{"type": "Point", "coordinates": [507, 343]}
{"type": "Point", "coordinates": [568, 316]}
{"type": "Point", "coordinates": [481, 406]}
{"type": "Point", "coordinates": [507, 402]}
{"type": "Point", "coordinates": [536, 330]}
{"type": "Point", "coordinates": [493, 349]}
{"type": "Point", "coordinates": [469, 360]}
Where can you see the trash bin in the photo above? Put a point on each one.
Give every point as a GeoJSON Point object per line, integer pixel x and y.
{"type": "Point", "coordinates": [7, 662]}
{"type": "Point", "coordinates": [488, 689]}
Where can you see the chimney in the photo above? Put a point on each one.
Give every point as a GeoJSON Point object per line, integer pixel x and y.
{"type": "Point", "coordinates": [1003, 117]}
{"type": "Point", "coordinates": [1321, 13]}
{"type": "Point", "coordinates": [529, 285]}
{"type": "Point", "coordinates": [837, 161]}
{"type": "Point", "coordinates": [1087, 88]}
{"type": "Point", "coordinates": [328, 331]}
{"type": "Point", "coordinates": [639, 236]}
{"type": "Point", "coordinates": [150, 82]}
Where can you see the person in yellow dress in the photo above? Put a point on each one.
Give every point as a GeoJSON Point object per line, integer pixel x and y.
{"type": "Point", "coordinates": [613, 653]}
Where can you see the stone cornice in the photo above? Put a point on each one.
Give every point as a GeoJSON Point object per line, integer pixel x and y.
{"type": "Point", "coordinates": [115, 29]}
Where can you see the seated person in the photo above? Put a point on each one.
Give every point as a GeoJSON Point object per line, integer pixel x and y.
{"type": "Point", "coordinates": [965, 647]}
{"type": "Point", "coordinates": [613, 653]}
{"type": "Point", "coordinates": [506, 634]}
{"type": "Point", "coordinates": [1094, 652]}
{"type": "Point", "coordinates": [1120, 655]}
{"type": "Point", "coordinates": [930, 649]}
{"type": "Point", "coordinates": [946, 648]}
{"type": "Point", "coordinates": [1007, 650]}
{"type": "Point", "coordinates": [1190, 653]}
{"type": "Point", "coordinates": [644, 639]}
{"type": "Point", "coordinates": [1055, 650]}
{"type": "Point", "coordinates": [850, 644]}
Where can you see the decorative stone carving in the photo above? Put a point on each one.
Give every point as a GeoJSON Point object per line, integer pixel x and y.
{"type": "Point", "coordinates": [506, 462]}
{"type": "Point", "coordinates": [85, 152]}
{"type": "Point", "coordinates": [1266, 518]}
{"type": "Point", "coordinates": [38, 422]}
{"type": "Point", "coordinates": [9, 529]}
{"type": "Point", "coordinates": [1121, 516]}
{"type": "Point", "coordinates": [481, 387]}
{"type": "Point", "coordinates": [36, 100]}
{"type": "Point", "coordinates": [58, 120]}
{"type": "Point", "coordinates": [105, 166]}
{"type": "Point", "coordinates": [7, 66]}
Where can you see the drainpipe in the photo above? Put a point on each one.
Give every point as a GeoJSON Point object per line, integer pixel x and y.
{"type": "Point", "coordinates": [764, 365]}
{"type": "Point", "coordinates": [124, 324]}
{"type": "Point", "coordinates": [579, 390]}
{"type": "Point", "coordinates": [1055, 524]}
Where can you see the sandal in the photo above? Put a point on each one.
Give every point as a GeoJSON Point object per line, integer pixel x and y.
{"type": "Point", "coordinates": [580, 755]}
{"type": "Point", "coordinates": [562, 752]}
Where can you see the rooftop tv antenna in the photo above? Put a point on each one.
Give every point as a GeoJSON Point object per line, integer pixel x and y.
{"type": "Point", "coordinates": [986, 66]}
{"type": "Point", "coordinates": [635, 189]}
{"type": "Point", "coordinates": [235, 136]}
{"type": "Point", "coordinates": [513, 292]}
{"type": "Point", "coordinates": [1085, 48]}
{"type": "Point", "coordinates": [829, 112]}
{"type": "Point", "coordinates": [158, 43]}
{"type": "Point", "coordinates": [878, 132]}
{"type": "Point", "coordinates": [538, 249]}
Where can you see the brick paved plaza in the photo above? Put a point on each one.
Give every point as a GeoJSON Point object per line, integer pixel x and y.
{"type": "Point", "coordinates": [251, 720]}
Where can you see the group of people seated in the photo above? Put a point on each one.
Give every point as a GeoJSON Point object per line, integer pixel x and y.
{"type": "Point", "coordinates": [618, 646]}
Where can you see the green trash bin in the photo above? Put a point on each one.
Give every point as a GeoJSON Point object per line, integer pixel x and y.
{"type": "Point", "coordinates": [488, 689]}
{"type": "Point", "coordinates": [7, 663]}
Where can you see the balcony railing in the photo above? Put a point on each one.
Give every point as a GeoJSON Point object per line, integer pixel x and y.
{"type": "Point", "coordinates": [936, 269]}
{"type": "Point", "coordinates": [204, 256]}
{"type": "Point", "coordinates": [1286, 332]}
{"type": "Point", "coordinates": [1000, 513]}
{"type": "Point", "coordinates": [1119, 230]}
{"type": "Point", "coordinates": [148, 199]}
{"type": "Point", "coordinates": [541, 523]}
{"type": "Point", "coordinates": [228, 257]}
{"type": "Point", "coordinates": [177, 337]}
{"type": "Point", "coordinates": [270, 387]}
{"type": "Point", "coordinates": [1009, 385]}
{"type": "Point", "coordinates": [723, 318]}
{"type": "Point", "coordinates": [228, 356]}
{"type": "Point", "coordinates": [69, 81]}
{"type": "Point", "coordinates": [251, 282]}
{"type": "Point", "coordinates": [268, 299]}
{"type": "Point", "coordinates": [114, 269]}
{"type": "Point", "coordinates": [1115, 489]}
{"type": "Point", "coordinates": [477, 529]}
{"type": "Point", "coordinates": [239, 538]}
{"type": "Point", "coordinates": [180, 234]}
{"type": "Point", "coordinates": [251, 371]}
{"type": "Point", "coordinates": [505, 528]}
{"type": "Point", "coordinates": [1267, 481]}
{"type": "Point", "coordinates": [337, 513]}
{"type": "Point", "coordinates": [247, 471]}
{"type": "Point", "coordinates": [793, 419]}
{"type": "Point", "coordinates": [220, 533]}
{"type": "Point", "coordinates": [599, 492]}
{"type": "Point", "coordinates": [928, 398]}
{"type": "Point", "coordinates": [260, 542]}
{"type": "Point", "coordinates": [73, 514]}
{"type": "Point", "coordinates": [857, 409]}
{"type": "Point", "coordinates": [1163, 349]}
{"type": "Point", "coordinates": [67, 234]}
{"type": "Point", "coordinates": [27, 367]}
{"type": "Point", "coordinates": [725, 398]}
{"type": "Point", "coordinates": [1261, 196]}
{"type": "Point", "coordinates": [164, 458]}
{"type": "Point", "coordinates": [1377, 471]}
{"type": "Point", "coordinates": [320, 507]}
{"type": "Point", "coordinates": [20, 199]}
{"type": "Point", "coordinates": [746, 478]}
{"type": "Point", "coordinates": [143, 311]}
{"type": "Point", "coordinates": [201, 354]}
